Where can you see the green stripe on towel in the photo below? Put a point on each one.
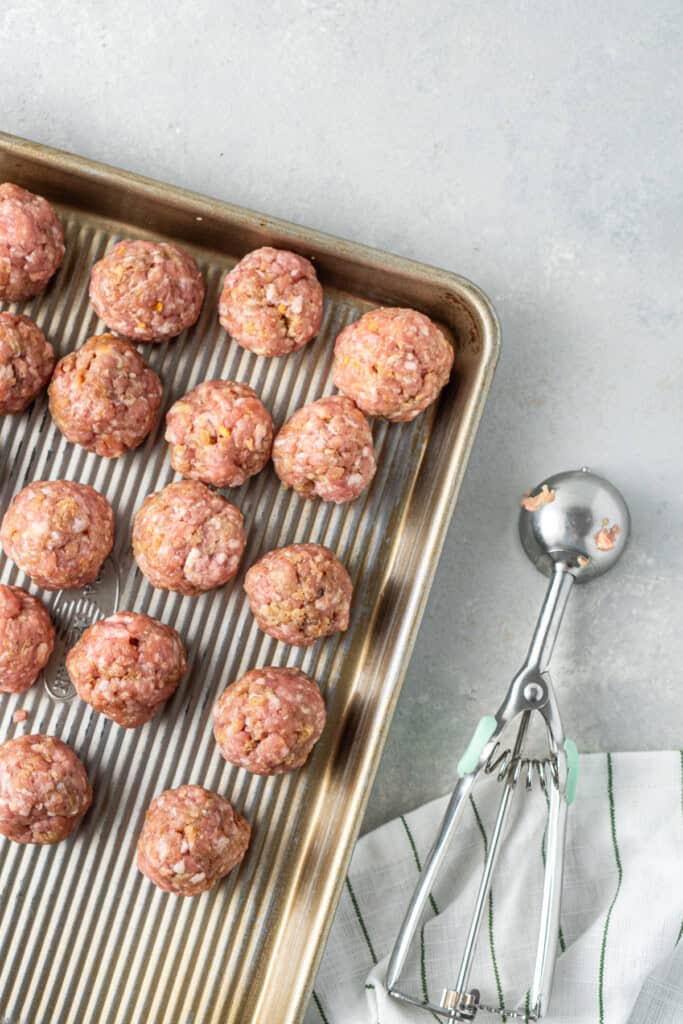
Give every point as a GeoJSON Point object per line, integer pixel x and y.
{"type": "Point", "coordinates": [416, 857]}
{"type": "Point", "coordinates": [492, 946]}
{"type": "Point", "coordinates": [620, 875]}
{"type": "Point", "coordinates": [432, 901]}
{"type": "Point", "coordinates": [319, 1008]}
{"type": "Point", "coordinates": [359, 917]}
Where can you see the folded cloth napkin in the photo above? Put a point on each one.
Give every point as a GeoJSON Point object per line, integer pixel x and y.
{"type": "Point", "coordinates": [620, 959]}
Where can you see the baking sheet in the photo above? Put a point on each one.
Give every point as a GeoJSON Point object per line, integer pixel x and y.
{"type": "Point", "coordinates": [83, 936]}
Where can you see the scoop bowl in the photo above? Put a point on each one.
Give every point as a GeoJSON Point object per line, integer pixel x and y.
{"type": "Point", "coordinates": [577, 518]}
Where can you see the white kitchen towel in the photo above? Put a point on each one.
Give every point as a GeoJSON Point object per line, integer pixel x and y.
{"type": "Point", "coordinates": [620, 957]}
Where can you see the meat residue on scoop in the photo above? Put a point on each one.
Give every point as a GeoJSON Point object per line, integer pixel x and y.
{"type": "Point", "coordinates": [532, 502]}
{"type": "Point", "coordinates": [606, 537]}
{"type": "Point", "coordinates": [20, 715]}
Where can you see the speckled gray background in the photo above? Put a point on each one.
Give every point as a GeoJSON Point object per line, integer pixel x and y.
{"type": "Point", "coordinates": [533, 147]}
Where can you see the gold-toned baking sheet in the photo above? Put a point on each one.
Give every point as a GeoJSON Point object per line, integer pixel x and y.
{"type": "Point", "coordinates": [84, 938]}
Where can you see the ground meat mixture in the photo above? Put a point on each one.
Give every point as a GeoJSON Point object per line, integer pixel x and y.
{"type": "Point", "coordinates": [126, 666]}
{"type": "Point", "coordinates": [269, 720]}
{"type": "Point", "coordinates": [325, 450]}
{"type": "Point", "coordinates": [188, 538]}
{"type": "Point", "coordinates": [533, 502]}
{"type": "Point", "coordinates": [220, 433]}
{"type": "Point", "coordinates": [606, 537]}
{"type": "Point", "coordinates": [26, 362]}
{"type": "Point", "coordinates": [44, 789]}
{"type": "Point", "coordinates": [31, 243]}
{"type": "Point", "coordinates": [148, 291]}
{"type": "Point", "coordinates": [272, 302]}
{"type": "Point", "coordinates": [190, 840]}
{"type": "Point", "coordinates": [392, 362]}
{"type": "Point", "coordinates": [104, 396]}
{"type": "Point", "coordinates": [58, 532]}
{"type": "Point", "coordinates": [299, 593]}
{"type": "Point", "coordinates": [27, 637]}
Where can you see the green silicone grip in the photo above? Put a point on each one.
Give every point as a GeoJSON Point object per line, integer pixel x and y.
{"type": "Point", "coordinates": [572, 770]}
{"type": "Point", "coordinates": [482, 734]}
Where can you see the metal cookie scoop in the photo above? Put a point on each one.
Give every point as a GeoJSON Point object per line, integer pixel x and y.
{"type": "Point", "coordinates": [573, 527]}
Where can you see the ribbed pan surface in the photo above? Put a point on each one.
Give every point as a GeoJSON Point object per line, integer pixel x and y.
{"type": "Point", "coordinates": [84, 938]}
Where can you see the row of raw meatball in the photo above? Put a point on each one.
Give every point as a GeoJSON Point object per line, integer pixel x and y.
{"type": "Point", "coordinates": [392, 362]}
{"type": "Point", "coordinates": [105, 398]}
{"type": "Point", "coordinates": [298, 594]}
{"type": "Point", "coordinates": [271, 303]}
{"type": "Point", "coordinates": [186, 538]}
{"type": "Point", "coordinates": [128, 665]}
{"type": "Point", "coordinates": [191, 837]}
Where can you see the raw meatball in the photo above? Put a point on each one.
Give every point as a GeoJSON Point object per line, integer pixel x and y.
{"type": "Point", "coordinates": [325, 450]}
{"type": "Point", "coordinates": [58, 532]}
{"type": "Point", "coordinates": [104, 397]}
{"type": "Point", "coordinates": [27, 637]}
{"type": "Point", "coordinates": [220, 433]}
{"type": "Point", "coordinates": [149, 291]}
{"type": "Point", "coordinates": [44, 789]}
{"type": "Point", "coordinates": [26, 362]}
{"type": "Point", "coordinates": [188, 538]}
{"type": "Point", "coordinates": [126, 666]}
{"type": "Point", "coordinates": [31, 243]}
{"type": "Point", "coordinates": [299, 593]}
{"type": "Point", "coordinates": [392, 363]}
{"type": "Point", "coordinates": [272, 302]}
{"type": "Point", "coordinates": [269, 720]}
{"type": "Point", "coordinates": [190, 840]}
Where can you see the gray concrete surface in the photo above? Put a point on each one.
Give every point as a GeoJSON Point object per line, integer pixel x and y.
{"type": "Point", "coordinates": [533, 147]}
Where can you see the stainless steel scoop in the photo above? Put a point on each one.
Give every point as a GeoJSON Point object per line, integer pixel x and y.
{"type": "Point", "coordinates": [573, 527]}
